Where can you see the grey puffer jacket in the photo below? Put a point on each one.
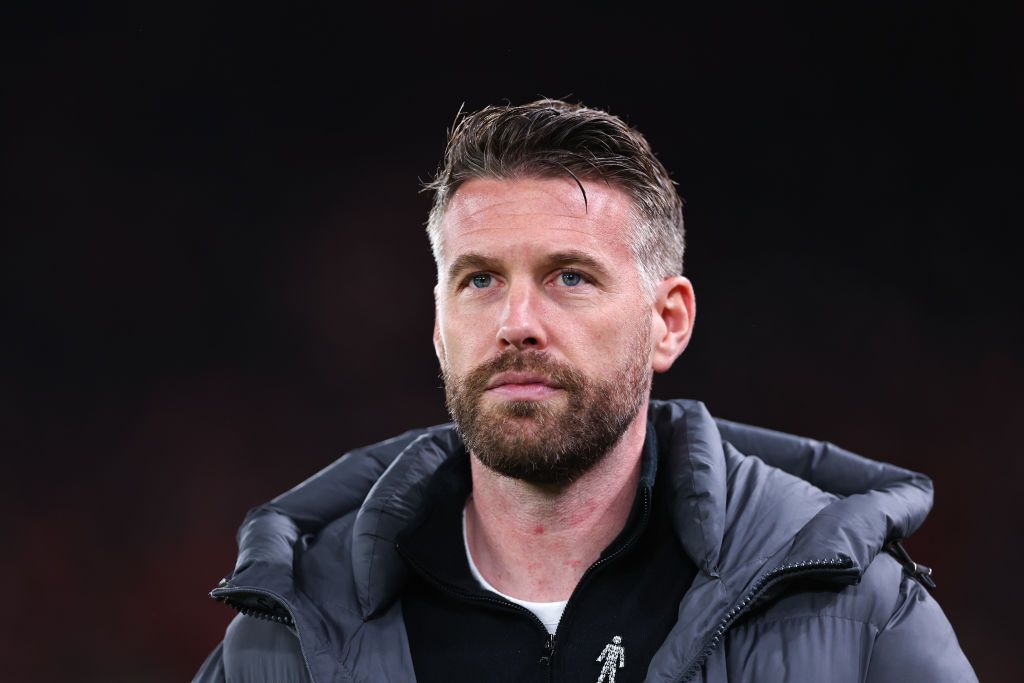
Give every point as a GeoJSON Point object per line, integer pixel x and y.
{"type": "Point", "coordinates": [787, 533]}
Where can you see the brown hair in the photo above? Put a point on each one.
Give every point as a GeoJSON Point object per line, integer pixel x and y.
{"type": "Point", "coordinates": [550, 138]}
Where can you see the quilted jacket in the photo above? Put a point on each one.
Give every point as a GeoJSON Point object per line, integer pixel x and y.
{"type": "Point", "coordinates": [789, 536]}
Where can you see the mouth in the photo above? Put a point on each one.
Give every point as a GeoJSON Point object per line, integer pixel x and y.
{"type": "Point", "coordinates": [522, 386]}
{"type": "Point", "coordinates": [503, 379]}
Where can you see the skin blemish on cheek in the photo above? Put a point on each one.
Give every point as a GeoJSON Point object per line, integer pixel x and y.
{"type": "Point", "coordinates": [538, 530]}
{"type": "Point", "coordinates": [573, 564]}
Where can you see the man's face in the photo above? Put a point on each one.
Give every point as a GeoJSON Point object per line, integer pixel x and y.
{"type": "Point", "coordinates": [543, 329]}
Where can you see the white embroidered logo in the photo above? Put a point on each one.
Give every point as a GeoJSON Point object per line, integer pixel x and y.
{"type": "Point", "coordinates": [612, 654]}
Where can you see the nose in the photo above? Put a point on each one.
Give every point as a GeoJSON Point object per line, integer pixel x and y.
{"type": "Point", "coordinates": [521, 325]}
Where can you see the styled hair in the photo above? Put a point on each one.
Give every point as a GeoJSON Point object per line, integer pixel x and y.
{"type": "Point", "coordinates": [551, 138]}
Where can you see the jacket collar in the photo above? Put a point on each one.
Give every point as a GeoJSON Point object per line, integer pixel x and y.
{"type": "Point", "coordinates": [691, 449]}
{"type": "Point", "coordinates": [391, 505]}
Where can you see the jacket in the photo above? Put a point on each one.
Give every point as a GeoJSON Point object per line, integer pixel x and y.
{"type": "Point", "coordinates": [788, 535]}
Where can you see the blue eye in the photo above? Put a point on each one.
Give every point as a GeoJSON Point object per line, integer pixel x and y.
{"type": "Point", "coordinates": [482, 280]}
{"type": "Point", "coordinates": [570, 279]}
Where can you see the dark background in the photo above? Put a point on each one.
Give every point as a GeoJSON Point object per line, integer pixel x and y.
{"type": "Point", "coordinates": [215, 277]}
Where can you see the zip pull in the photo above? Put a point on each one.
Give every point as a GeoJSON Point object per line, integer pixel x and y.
{"type": "Point", "coordinates": [549, 650]}
{"type": "Point", "coordinates": [920, 572]}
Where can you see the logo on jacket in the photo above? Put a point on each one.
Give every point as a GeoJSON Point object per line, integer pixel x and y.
{"type": "Point", "coordinates": [614, 657]}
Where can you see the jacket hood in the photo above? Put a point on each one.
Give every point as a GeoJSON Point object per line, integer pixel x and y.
{"type": "Point", "coordinates": [745, 502]}
{"type": "Point", "coordinates": [810, 496]}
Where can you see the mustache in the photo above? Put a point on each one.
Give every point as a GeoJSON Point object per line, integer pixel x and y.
{"type": "Point", "coordinates": [562, 374]}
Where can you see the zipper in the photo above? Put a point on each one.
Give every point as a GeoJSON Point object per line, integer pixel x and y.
{"type": "Point", "coordinates": [549, 650]}
{"type": "Point", "coordinates": [644, 514]}
{"type": "Point", "coordinates": [223, 594]}
{"type": "Point", "coordinates": [785, 572]}
{"type": "Point", "coordinates": [550, 638]}
{"type": "Point", "coordinates": [645, 509]}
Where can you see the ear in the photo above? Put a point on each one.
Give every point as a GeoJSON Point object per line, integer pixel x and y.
{"type": "Point", "coordinates": [672, 324]}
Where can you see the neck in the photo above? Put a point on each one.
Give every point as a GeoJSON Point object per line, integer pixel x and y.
{"type": "Point", "coordinates": [535, 542]}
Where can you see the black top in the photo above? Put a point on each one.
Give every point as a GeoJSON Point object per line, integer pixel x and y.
{"type": "Point", "coordinates": [459, 631]}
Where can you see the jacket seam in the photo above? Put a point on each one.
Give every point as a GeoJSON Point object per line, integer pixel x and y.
{"type": "Point", "coordinates": [907, 584]}
{"type": "Point", "coordinates": [799, 617]}
{"type": "Point", "coordinates": [349, 676]}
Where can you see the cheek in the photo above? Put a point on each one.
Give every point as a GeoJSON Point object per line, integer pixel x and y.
{"type": "Point", "coordinates": [616, 330]}
{"type": "Point", "coordinates": [461, 342]}
{"type": "Point", "coordinates": [441, 352]}
{"type": "Point", "coordinates": [629, 334]}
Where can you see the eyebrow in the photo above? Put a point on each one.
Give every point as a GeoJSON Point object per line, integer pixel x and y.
{"type": "Point", "coordinates": [571, 257]}
{"type": "Point", "coordinates": [574, 257]}
{"type": "Point", "coordinates": [471, 261]}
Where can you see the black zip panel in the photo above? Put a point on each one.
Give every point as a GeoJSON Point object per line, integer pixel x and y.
{"type": "Point", "coordinates": [550, 638]}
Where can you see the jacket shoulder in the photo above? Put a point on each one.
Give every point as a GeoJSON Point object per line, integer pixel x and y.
{"type": "Point", "coordinates": [891, 629]}
{"type": "Point", "coordinates": [917, 642]}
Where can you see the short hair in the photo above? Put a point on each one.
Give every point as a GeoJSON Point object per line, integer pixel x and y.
{"type": "Point", "coordinates": [550, 138]}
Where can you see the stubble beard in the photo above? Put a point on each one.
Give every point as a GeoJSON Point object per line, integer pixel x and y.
{"type": "Point", "coordinates": [551, 442]}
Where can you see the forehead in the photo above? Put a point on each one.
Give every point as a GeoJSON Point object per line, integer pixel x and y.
{"type": "Point", "coordinates": [537, 214]}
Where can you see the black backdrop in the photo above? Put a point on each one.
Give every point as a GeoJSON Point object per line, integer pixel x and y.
{"type": "Point", "coordinates": [216, 278]}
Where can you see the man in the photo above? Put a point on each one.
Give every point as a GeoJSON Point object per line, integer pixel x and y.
{"type": "Point", "coordinates": [567, 528]}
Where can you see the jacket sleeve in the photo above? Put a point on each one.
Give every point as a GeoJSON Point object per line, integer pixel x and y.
{"type": "Point", "coordinates": [918, 643]}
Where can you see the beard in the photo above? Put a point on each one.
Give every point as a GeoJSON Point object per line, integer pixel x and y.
{"type": "Point", "coordinates": [549, 442]}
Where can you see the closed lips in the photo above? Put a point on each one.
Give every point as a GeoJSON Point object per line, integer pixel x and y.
{"type": "Point", "coordinates": [506, 378]}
